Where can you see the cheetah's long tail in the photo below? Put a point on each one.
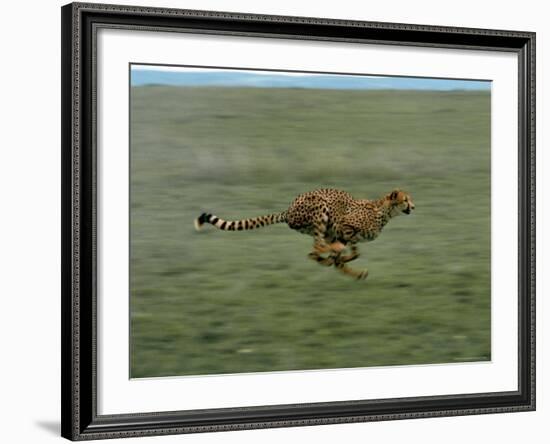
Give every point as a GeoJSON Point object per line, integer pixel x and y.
{"type": "Point", "coordinates": [239, 225]}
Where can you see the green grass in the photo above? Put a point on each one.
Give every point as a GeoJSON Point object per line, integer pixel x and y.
{"type": "Point", "coordinates": [226, 302]}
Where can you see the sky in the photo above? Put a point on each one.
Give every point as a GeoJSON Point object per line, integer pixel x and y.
{"type": "Point", "coordinates": [181, 76]}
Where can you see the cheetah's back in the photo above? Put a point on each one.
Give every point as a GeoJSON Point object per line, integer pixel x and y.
{"type": "Point", "coordinates": [306, 210]}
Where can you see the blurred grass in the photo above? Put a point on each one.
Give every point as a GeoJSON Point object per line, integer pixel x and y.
{"type": "Point", "coordinates": [227, 302]}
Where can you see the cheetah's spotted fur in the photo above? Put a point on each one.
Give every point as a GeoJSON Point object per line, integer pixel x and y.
{"type": "Point", "coordinates": [335, 220]}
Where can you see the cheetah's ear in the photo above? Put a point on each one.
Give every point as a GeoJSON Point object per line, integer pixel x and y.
{"type": "Point", "coordinates": [394, 194]}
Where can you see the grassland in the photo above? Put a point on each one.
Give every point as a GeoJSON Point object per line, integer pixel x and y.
{"type": "Point", "coordinates": [225, 302]}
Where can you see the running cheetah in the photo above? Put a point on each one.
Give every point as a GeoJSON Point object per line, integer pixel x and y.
{"type": "Point", "coordinates": [335, 220]}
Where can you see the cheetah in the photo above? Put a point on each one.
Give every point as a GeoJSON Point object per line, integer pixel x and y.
{"type": "Point", "coordinates": [334, 218]}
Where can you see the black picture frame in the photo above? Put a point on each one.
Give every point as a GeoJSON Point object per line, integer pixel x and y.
{"type": "Point", "coordinates": [80, 420]}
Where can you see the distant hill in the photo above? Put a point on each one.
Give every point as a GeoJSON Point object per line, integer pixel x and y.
{"type": "Point", "coordinates": [142, 77]}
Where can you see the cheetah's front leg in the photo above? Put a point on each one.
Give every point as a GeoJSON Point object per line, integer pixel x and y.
{"type": "Point", "coordinates": [359, 275]}
{"type": "Point", "coordinates": [340, 264]}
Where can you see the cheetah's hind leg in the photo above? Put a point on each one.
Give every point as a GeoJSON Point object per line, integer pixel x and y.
{"type": "Point", "coordinates": [352, 256]}
{"type": "Point", "coordinates": [320, 244]}
{"type": "Point", "coordinates": [326, 261]}
{"type": "Point", "coordinates": [334, 249]}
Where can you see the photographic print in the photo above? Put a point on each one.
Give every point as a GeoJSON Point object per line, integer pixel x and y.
{"type": "Point", "coordinates": [275, 221]}
{"type": "Point", "coordinates": [291, 221]}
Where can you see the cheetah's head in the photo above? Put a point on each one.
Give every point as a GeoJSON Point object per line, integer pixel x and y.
{"type": "Point", "coordinates": [400, 202]}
